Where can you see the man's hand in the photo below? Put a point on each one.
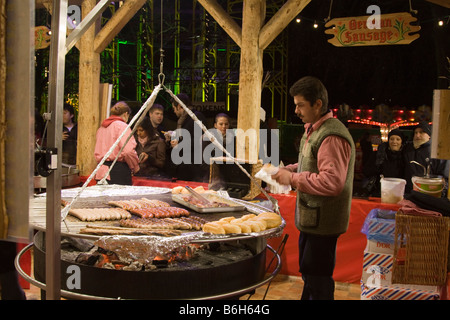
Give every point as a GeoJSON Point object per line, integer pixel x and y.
{"type": "Point", "coordinates": [283, 177]}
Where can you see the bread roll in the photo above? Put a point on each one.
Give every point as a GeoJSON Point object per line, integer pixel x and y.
{"type": "Point", "coordinates": [253, 225]}
{"type": "Point", "coordinates": [262, 223]}
{"type": "Point", "coordinates": [248, 216]}
{"type": "Point", "coordinates": [227, 219]}
{"type": "Point", "coordinates": [245, 228]}
{"type": "Point", "coordinates": [177, 190]}
{"type": "Point", "coordinates": [213, 227]}
{"type": "Point", "coordinates": [185, 191]}
{"type": "Point", "coordinates": [199, 189]}
{"type": "Point", "coordinates": [272, 219]}
{"type": "Point", "coordinates": [231, 228]}
{"type": "Point", "coordinates": [237, 221]}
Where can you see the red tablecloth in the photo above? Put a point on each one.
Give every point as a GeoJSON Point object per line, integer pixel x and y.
{"type": "Point", "coordinates": [350, 246]}
{"type": "Point", "coordinates": [25, 264]}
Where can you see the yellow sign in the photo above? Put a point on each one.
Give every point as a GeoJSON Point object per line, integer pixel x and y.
{"type": "Point", "coordinates": [393, 28]}
{"type": "Point", "coordinates": [41, 37]}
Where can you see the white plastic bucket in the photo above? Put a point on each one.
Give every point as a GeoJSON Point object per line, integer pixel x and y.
{"type": "Point", "coordinates": [430, 186]}
{"type": "Point", "coordinates": [392, 190]}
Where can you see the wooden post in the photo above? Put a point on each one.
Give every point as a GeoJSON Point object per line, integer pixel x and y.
{"type": "Point", "coordinates": [253, 38]}
{"type": "Point", "coordinates": [89, 86]}
{"type": "Point", "coordinates": [250, 80]}
{"type": "Point", "coordinates": [105, 101]}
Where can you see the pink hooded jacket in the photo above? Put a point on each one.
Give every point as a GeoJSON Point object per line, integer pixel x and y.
{"type": "Point", "coordinates": [107, 135]}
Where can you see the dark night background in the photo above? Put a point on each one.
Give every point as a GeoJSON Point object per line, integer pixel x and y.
{"type": "Point", "coordinates": [400, 76]}
{"type": "Point", "coordinates": [397, 75]}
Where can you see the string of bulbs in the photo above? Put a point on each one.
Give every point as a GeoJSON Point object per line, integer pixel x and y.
{"type": "Point", "coordinates": [441, 22]}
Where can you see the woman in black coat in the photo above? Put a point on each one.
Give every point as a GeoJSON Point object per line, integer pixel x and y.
{"type": "Point", "coordinates": [388, 162]}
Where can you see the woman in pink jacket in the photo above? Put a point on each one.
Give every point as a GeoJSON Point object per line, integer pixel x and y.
{"type": "Point", "coordinates": [110, 130]}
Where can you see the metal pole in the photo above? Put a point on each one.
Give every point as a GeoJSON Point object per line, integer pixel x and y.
{"type": "Point", "coordinates": [54, 140]}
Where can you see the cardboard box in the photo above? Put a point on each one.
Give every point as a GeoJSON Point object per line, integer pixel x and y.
{"type": "Point", "coordinates": [379, 247]}
{"type": "Point", "coordinates": [399, 292]}
{"type": "Point", "coordinates": [377, 268]}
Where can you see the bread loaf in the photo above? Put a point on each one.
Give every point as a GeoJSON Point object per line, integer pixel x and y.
{"type": "Point", "coordinates": [246, 224]}
{"type": "Point", "coordinates": [231, 228]}
{"type": "Point", "coordinates": [272, 219]}
{"type": "Point", "coordinates": [214, 228]}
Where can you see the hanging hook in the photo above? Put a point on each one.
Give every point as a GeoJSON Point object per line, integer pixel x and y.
{"type": "Point", "coordinates": [161, 75]}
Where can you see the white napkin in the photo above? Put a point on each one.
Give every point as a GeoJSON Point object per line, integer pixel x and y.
{"type": "Point", "coordinates": [265, 174]}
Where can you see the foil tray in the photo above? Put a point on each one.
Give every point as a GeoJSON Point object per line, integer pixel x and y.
{"type": "Point", "coordinates": [233, 206]}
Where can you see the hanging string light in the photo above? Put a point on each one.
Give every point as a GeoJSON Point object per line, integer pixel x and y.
{"type": "Point", "coordinates": [329, 12]}
{"type": "Point", "coordinates": [441, 21]}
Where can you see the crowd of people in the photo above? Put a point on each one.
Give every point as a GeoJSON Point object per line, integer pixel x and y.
{"type": "Point", "coordinates": [156, 152]}
{"type": "Point", "coordinates": [399, 158]}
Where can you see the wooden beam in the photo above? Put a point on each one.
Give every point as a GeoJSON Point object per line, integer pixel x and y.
{"type": "Point", "coordinates": [250, 79]}
{"type": "Point", "coordinates": [444, 3]}
{"type": "Point", "coordinates": [223, 19]}
{"type": "Point", "coordinates": [116, 23]}
{"type": "Point", "coordinates": [40, 4]}
{"type": "Point", "coordinates": [3, 212]}
{"type": "Point", "coordinates": [89, 104]}
{"type": "Point", "coordinates": [280, 21]}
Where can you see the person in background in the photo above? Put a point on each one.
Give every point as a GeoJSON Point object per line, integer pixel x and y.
{"type": "Point", "coordinates": [224, 136]}
{"type": "Point", "coordinates": [222, 123]}
{"type": "Point", "coordinates": [150, 148]}
{"type": "Point", "coordinates": [323, 178]}
{"type": "Point", "coordinates": [109, 131]}
{"type": "Point", "coordinates": [388, 162]}
{"type": "Point", "coordinates": [70, 135]}
{"type": "Point", "coordinates": [419, 150]}
{"type": "Point", "coordinates": [156, 115]}
{"type": "Point", "coordinates": [188, 171]}
{"type": "Point", "coordinates": [389, 159]}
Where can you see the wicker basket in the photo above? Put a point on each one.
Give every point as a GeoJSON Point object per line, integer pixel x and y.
{"type": "Point", "coordinates": [420, 250]}
{"type": "Point", "coordinates": [254, 190]}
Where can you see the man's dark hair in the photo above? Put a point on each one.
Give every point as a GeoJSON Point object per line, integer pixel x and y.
{"type": "Point", "coordinates": [183, 97]}
{"type": "Point", "coordinates": [311, 89]}
{"type": "Point", "coordinates": [69, 108]}
{"type": "Point", "coordinates": [155, 107]}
